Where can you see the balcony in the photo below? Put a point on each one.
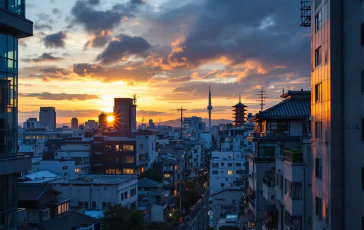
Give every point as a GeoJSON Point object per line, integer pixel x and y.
{"type": "Point", "coordinates": [293, 206]}
{"type": "Point", "coordinates": [13, 21]}
{"type": "Point", "coordinates": [294, 156]}
{"type": "Point", "coordinates": [269, 191]}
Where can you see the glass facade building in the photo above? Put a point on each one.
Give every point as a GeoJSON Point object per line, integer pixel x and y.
{"type": "Point", "coordinates": [13, 25]}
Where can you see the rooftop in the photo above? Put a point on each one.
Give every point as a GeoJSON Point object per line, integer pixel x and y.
{"type": "Point", "coordinates": [97, 179]}
{"type": "Point", "coordinates": [33, 192]}
{"type": "Point", "coordinates": [148, 183]}
{"type": "Point", "coordinates": [69, 220]}
{"type": "Point", "coordinates": [40, 176]}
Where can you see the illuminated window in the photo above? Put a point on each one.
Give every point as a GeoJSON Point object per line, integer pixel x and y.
{"type": "Point", "coordinates": [77, 170]}
{"type": "Point", "coordinates": [128, 171]}
{"type": "Point", "coordinates": [128, 159]}
{"type": "Point", "coordinates": [117, 171]}
{"type": "Point", "coordinates": [128, 148]}
{"type": "Point", "coordinates": [117, 147]}
{"type": "Point", "coordinates": [230, 156]}
{"type": "Point", "coordinates": [59, 209]}
{"type": "Point", "coordinates": [110, 171]}
{"type": "Point", "coordinates": [167, 175]}
{"type": "Point", "coordinates": [230, 172]}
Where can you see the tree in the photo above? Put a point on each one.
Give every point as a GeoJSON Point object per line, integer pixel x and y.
{"type": "Point", "coordinates": [117, 217]}
{"type": "Point", "coordinates": [152, 173]}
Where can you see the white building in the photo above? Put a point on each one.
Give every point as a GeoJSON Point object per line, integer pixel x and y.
{"type": "Point", "coordinates": [226, 169]}
{"type": "Point", "coordinates": [65, 168]}
{"type": "Point", "coordinates": [205, 138]}
{"type": "Point", "coordinates": [79, 152]}
{"type": "Point", "coordinates": [224, 202]}
{"type": "Point", "coordinates": [99, 191]}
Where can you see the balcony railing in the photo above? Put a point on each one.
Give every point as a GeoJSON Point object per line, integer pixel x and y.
{"type": "Point", "coordinates": [293, 156]}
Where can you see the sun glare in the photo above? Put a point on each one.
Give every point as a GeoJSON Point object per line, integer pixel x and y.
{"type": "Point", "coordinates": [110, 118]}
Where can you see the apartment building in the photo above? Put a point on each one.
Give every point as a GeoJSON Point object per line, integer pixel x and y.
{"type": "Point", "coordinates": [78, 152]}
{"type": "Point", "coordinates": [337, 80]}
{"type": "Point", "coordinates": [278, 128]}
{"type": "Point", "coordinates": [13, 27]}
{"type": "Point", "coordinates": [226, 169]}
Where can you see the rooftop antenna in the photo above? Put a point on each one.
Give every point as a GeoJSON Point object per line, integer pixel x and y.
{"type": "Point", "coordinates": [181, 110]}
{"type": "Point", "coordinates": [262, 97]}
{"type": "Point", "coordinates": [134, 99]}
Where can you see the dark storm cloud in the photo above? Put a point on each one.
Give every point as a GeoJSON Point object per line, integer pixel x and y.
{"type": "Point", "coordinates": [40, 26]}
{"type": "Point", "coordinates": [94, 2]}
{"type": "Point", "coordinates": [45, 57]}
{"type": "Point", "coordinates": [96, 22]}
{"type": "Point", "coordinates": [122, 48]}
{"type": "Point", "coordinates": [56, 71]}
{"type": "Point", "coordinates": [243, 30]}
{"type": "Point", "coordinates": [86, 69]}
{"type": "Point", "coordinates": [56, 40]}
{"type": "Point", "coordinates": [61, 96]}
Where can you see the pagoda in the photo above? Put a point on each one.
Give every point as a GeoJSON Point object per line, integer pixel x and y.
{"type": "Point", "coordinates": [239, 113]}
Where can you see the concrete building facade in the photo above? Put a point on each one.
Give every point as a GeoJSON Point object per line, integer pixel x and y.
{"type": "Point", "coordinates": [125, 115]}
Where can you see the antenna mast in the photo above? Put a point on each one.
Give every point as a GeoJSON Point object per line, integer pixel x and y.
{"type": "Point", "coordinates": [262, 97]}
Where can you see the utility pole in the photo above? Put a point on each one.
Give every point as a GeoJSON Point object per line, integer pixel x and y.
{"type": "Point", "coordinates": [262, 96]}
{"type": "Point", "coordinates": [181, 110]}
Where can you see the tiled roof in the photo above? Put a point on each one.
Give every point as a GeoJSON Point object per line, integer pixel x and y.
{"type": "Point", "coordinates": [240, 105]}
{"type": "Point", "coordinates": [148, 183]}
{"type": "Point", "coordinates": [288, 108]}
{"type": "Point", "coordinates": [32, 192]}
{"type": "Point", "coordinates": [69, 220]}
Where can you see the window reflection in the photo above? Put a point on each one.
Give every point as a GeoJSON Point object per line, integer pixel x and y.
{"type": "Point", "coordinates": [14, 6]}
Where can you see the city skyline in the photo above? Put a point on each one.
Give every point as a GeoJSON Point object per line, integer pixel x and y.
{"type": "Point", "coordinates": [156, 50]}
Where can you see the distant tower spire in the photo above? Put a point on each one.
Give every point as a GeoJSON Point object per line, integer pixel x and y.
{"type": "Point", "coordinates": [239, 98]}
{"type": "Point", "coordinates": [209, 108]}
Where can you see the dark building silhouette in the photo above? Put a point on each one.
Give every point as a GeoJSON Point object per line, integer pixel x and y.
{"type": "Point", "coordinates": [102, 120]}
{"type": "Point", "coordinates": [74, 123]}
{"type": "Point", "coordinates": [47, 117]}
{"type": "Point", "coordinates": [125, 115]}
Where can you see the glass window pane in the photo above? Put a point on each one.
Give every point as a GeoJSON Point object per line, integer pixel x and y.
{"type": "Point", "coordinates": [10, 48]}
{"type": "Point", "coordinates": [3, 44]}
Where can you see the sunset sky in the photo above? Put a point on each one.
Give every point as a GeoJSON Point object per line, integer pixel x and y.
{"type": "Point", "coordinates": [168, 52]}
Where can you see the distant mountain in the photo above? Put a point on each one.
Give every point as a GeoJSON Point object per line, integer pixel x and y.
{"type": "Point", "coordinates": [177, 122]}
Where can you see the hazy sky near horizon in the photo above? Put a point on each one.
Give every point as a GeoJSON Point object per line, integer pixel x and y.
{"type": "Point", "coordinates": [86, 52]}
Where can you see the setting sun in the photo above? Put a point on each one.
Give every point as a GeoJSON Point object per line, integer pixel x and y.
{"type": "Point", "coordinates": [110, 118]}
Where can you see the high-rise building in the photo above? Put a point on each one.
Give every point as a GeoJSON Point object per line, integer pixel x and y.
{"type": "Point", "coordinates": [47, 117]}
{"type": "Point", "coordinates": [209, 108]}
{"type": "Point", "coordinates": [102, 120]}
{"type": "Point", "coordinates": [239, 113]}
{"type": "Point", "coordinates": [31, 123]}
{"type": "Point", "coordinates": [337, 113]}
{"type": "Point", "coordinates": [125, 115]}
{"type": "Point", "coordinates": [151, 123]}
{"type": "Point", "coordinates": [13, 26]}
{"type": "Point", "coordinates": [74, 123]}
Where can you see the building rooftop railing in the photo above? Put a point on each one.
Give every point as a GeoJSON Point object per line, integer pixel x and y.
{"type": "Point", "coordinates": [293, 156]}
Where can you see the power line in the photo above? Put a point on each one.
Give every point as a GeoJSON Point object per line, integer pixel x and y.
{"type": "Point", "coordinates": [181, 110]}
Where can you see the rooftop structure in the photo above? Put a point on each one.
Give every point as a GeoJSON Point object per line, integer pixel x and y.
{"type": "Point", "coordinates": [239, 113]}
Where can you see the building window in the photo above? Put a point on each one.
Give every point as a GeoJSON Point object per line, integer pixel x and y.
{"type": "Point", "coordinates": [230, 172]}
{"type": "Point", "coordinates": [318, 56]}
{"type": "Point", "coordinates": [85, 204]}
{"type": "Point", "coordinates": [117, 148]}
{"type": "Point", "coordinates": [117, 171]}
{"type": "Point", "coordinates": [318, 92]}
{"type": "Point", "coordinates": [167, 175]}
{"type": "Point", "coordinates": [230, 156]}
{"type": "Point", "coordinates": [318, 208]}
{"type": "Point", "coordinates": [318, 129]}
{"type": "Point", "coordinates": [318, 168]}
{"type": "Point", "coordinates": [127, 159]}
{"type": "Point", "coordinates": [318, 21]}
{"type": "Point", "coordinates": [80, 204]}
{"type": "Point", "coordinates": [230, 164]}
{"type": "Point", "coordinates": [215, 172]}
{"type": "Point", "coordinates": [362, 34]}
{"type": "Point", "coordinates": [362, 81]}
{"type": "Point", "coordinates": [110, 171]}
{"type": "Point", "coordinates": [238, 164]}
{"type": "Point", "coordinates": [93, 204]}
{"type": "Point", "coordinates": [128, 171]}
{"type": "Point", "coordinates": [128, 148]}
{"type": "Point", "coordinates": [222, 164]}
{"type": "Point", "coordinates": [141, 146]}
{"type": "Point", "coordinates": [222, 185]}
